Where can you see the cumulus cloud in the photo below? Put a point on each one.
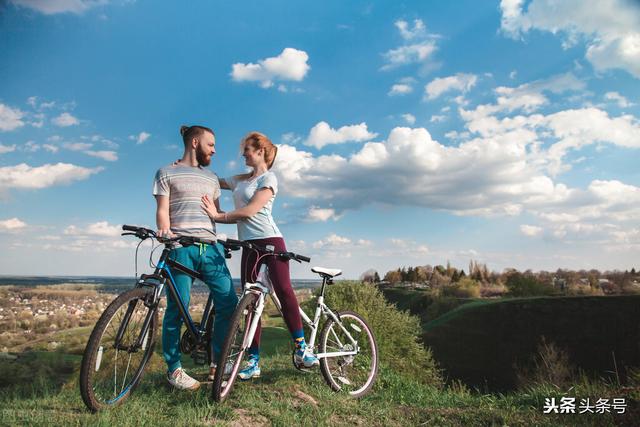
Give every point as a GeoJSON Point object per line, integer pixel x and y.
{"type": "Point", "coordinates": [52, 7]}
{"type": "Point", "coordinates": [65, 120]}
{"type": "Point", "coordinates": [318, 214]}
{"type": "Point", "coordinates": [100, 228]}
{"type": "Point", "coordinates": [400, 89]}
{"type": "Point", "coordinates": [617, 98]}
{"type": "Point", "coordinates": [7, 148]}
{"type": "Point", "coordinates": [140, 138]}
{"type": "Point", "coordinates": [460, 82]}
{"type": "Point", "coordinates": [23, 176]}
{"type": "Point", "coordinates": [409, 118]}
{"type": "Point", "coordinates": [109, 156]}
{"type": "Point", "coordinates": [323, 134]}
{"type": "Point", "coordinates": [410, 54]}
{"type": "Point", "coordinates": [419, 30]}
{"type": "Point", "coordinates": [77, 146]}
{"type": "Point", "coordinates": [290, 65]}
{"type": "Point", "coordinates": [530, 230]}
{"type": "Point", "coordinates": [610, 28]}
{"type": "Point", "coordinates": [419, 46]}
{"type": "Point", "coordinates": [12, 224]}
{"type": "Point", "coordinates": [10, 118]}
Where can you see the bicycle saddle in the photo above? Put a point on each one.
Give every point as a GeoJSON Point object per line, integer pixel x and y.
{"type": "Point", "coordinates": [331, 272]}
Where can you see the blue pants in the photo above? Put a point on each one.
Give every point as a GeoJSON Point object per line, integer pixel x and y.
{"type": "Point", "coordinates": [210, 262]}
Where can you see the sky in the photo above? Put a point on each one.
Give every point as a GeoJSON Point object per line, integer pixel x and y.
{"type": "Point", "coordinates": [409, 132]}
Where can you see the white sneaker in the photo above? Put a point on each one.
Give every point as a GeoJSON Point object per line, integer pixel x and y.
{"type": "Point", "coordinates": [180, 380]}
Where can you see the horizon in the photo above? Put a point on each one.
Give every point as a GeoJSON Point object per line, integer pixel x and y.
{"type": "Point", "coordinates": [411, 133]}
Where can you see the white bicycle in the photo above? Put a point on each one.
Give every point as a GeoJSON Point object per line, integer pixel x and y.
{"type": "Point", "coordinates": [347, 348]}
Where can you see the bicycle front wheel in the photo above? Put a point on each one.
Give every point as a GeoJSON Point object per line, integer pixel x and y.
{"type": "Point", "coordinates": [118, 351]}
{"type": "Point", "coordinates": [352, 373]}
{"type": "Point", "coordinates": [235, 345]}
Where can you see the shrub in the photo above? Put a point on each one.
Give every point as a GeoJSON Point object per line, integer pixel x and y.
{"type": "Point", "coordinates": [550, 366]}
{"type": "Point", "coordinates": [466, 287]}
{"type": "Point", "coordinates": [525, 285]}
{"type": "Point", "coordinates": [397, 332]}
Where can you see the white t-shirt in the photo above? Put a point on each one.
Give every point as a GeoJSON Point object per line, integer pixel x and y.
{"type": "Point", "coordinates": [261, 225]}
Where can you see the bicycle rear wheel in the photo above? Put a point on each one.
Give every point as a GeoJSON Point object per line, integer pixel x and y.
{"type": "Point", "coordinates": [353, 374]}
{"type": "Point", "coordinates": [235, 344]}
{"type": "Point", "coordinates": [112, 368]}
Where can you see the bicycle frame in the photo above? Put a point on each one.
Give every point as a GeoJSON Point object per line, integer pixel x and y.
{"type": "Point", "coordinates": [314, 325]}
{"type": "Point", "coordinates": [162, 276]}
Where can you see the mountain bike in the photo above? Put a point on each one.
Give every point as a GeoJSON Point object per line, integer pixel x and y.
{"type": "Point", "coordinates": [123, 339]}
{"type": "Point", "coordinates": [346, 349]}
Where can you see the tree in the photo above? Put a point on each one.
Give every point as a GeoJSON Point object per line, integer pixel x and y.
{"type": "Point", "coordinates": [369, 276]}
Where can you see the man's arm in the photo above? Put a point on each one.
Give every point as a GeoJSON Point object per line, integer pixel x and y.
{"type": "Point", "coordinates": [162, 216]}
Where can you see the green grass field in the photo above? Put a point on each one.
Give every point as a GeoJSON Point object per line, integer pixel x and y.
{"type": "Point", "coordinates": [41, 388]}
{"type": "Point", "coordinates": [45, 392]}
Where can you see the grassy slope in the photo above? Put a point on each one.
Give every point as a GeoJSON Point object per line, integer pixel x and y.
{"type": "Point", "coordinates": [45, 392]}
{"type": "Point", "coordinates": [480, 342]}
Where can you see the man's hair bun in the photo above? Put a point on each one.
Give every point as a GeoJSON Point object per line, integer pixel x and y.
{"type": "Point", "coordinates": [183, 129]}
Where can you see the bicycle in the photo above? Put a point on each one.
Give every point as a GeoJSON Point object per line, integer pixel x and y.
{"type": "Point", "coordinates": [348, 352]}
{"type": "Point", "coordinates": [123, 339]}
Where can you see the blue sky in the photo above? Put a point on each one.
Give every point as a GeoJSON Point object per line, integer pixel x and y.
{"type": "Point", "coordinates": [410, 133]}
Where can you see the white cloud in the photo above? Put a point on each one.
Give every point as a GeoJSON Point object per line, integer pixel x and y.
{"type": "Point", "coordinates": [530, 230]}
{"type": "Point", "coordinates": [460, 82]}
{"type": "Point", "coordinates": [290, 65]}
{"type": "Point", "coordinates": [409, 118]}
{"type": "Point", "coordinates": [418, 31]}
{"type": "Point", "coordinates": [109, 156]}
{"type": "Point", "coordinates": [11, 224]}
{"type": "Point", "coordinates": [318, 214]}
{"type": "Point", "coordinates": [50, 148]}
{"type": "Point", "coordinates": [322, 134]}
{"type": "Point", "coordinates": [23, 176]}
{"type": "Point", "coordinates": [437, 118]}
{"type": "Point", "coordinates": [140, 138]}
{"type": "Point", "coordinates": [51, 7]}
{"type": "Point", "coordinates": [7, 148]}
{"type": "Point", "coordinates": [410, 54]}
{"type": "Point", "coordinates": [619, 99]}
{"type": "Point", "coordinates": [65, 120]}
{"type": "Point", "coordinates": [77, 146]}
{"type": "Point", "coordinates": [10, 118]}
{"type": "Point", "coordinates": [610, 28]}
{"type": "Point", "coordinates": [332, 241]}
{"type": "Point", "coordinates": [513, 74]}
{"type": "Point", "coordinates": [400, 89]}
{"type": "Point", "coordinates": [291, 138]}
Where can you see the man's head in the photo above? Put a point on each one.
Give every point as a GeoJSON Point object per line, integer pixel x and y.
{"type": "Point", "coordinates": [200, 139]}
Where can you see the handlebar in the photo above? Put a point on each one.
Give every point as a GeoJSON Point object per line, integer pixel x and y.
{"type": "Point", "coordinates": [229, 244]}
{"type": "Point", "coordinates": [236, 244]}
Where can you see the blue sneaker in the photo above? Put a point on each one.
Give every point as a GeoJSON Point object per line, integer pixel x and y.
{"type": "Point", "coordinates": [250, 370]}
{"type": "Point", "coordinates": [305, 357]}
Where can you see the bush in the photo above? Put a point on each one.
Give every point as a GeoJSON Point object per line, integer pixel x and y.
{"type": "Point", "coordinates": [466, 287]}
{"type": "Point", "coordinates": [396, 331]}
{"type": "Point", "coordinates": [525, 285]}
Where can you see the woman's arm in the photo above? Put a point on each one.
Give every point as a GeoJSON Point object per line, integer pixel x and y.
{"type": "Point", "coordinates": [257, 202]}
{"type": "Point", "coordinates": [224, 185]}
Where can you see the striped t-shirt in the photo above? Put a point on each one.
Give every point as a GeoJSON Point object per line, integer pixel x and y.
{"type": "Point", "coordinates": [185, 186]}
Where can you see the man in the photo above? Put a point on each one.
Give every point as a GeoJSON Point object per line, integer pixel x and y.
{"type": "Point", "coordinates": [178, 189]}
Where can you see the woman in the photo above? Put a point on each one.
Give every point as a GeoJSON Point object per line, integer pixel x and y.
{"type": "Point", "coordinates": [253, 195]}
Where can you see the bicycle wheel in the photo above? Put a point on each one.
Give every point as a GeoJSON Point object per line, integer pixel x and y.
{"type": "Point", "coordinates": [110, 371]}
{"type": "Point", "coordinates": [354, 374]}
{"type": "Point", "coordinates": [235, 344]}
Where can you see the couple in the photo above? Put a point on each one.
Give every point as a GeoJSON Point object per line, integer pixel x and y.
{"type": "Point", "coordinates": [187, 196]}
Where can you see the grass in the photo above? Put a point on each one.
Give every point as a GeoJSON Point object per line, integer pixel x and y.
{"type": "Point", "coordinates": [46, 393]}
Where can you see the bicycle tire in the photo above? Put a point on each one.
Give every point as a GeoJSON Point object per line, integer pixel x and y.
{"type": "Point", "coordinates": [232, 351]}
{"type": "Point", "coordinates": [101, 359]}
{"type": "Point", "coordinates": [352, 374]}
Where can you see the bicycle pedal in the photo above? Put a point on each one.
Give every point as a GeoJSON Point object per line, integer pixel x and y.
{"type": "Point", "coordinates": [200, 357]}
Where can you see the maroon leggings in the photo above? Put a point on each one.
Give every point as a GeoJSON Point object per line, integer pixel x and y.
{"type": "Point", "coordinates": [279, 275]}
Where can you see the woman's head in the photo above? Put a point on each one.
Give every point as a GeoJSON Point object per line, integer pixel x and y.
{"type": "Point", "coordinates": [256, 147]}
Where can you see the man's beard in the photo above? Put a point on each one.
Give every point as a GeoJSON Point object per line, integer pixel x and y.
{"type": "Point", "coordinates": [202, 157]}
